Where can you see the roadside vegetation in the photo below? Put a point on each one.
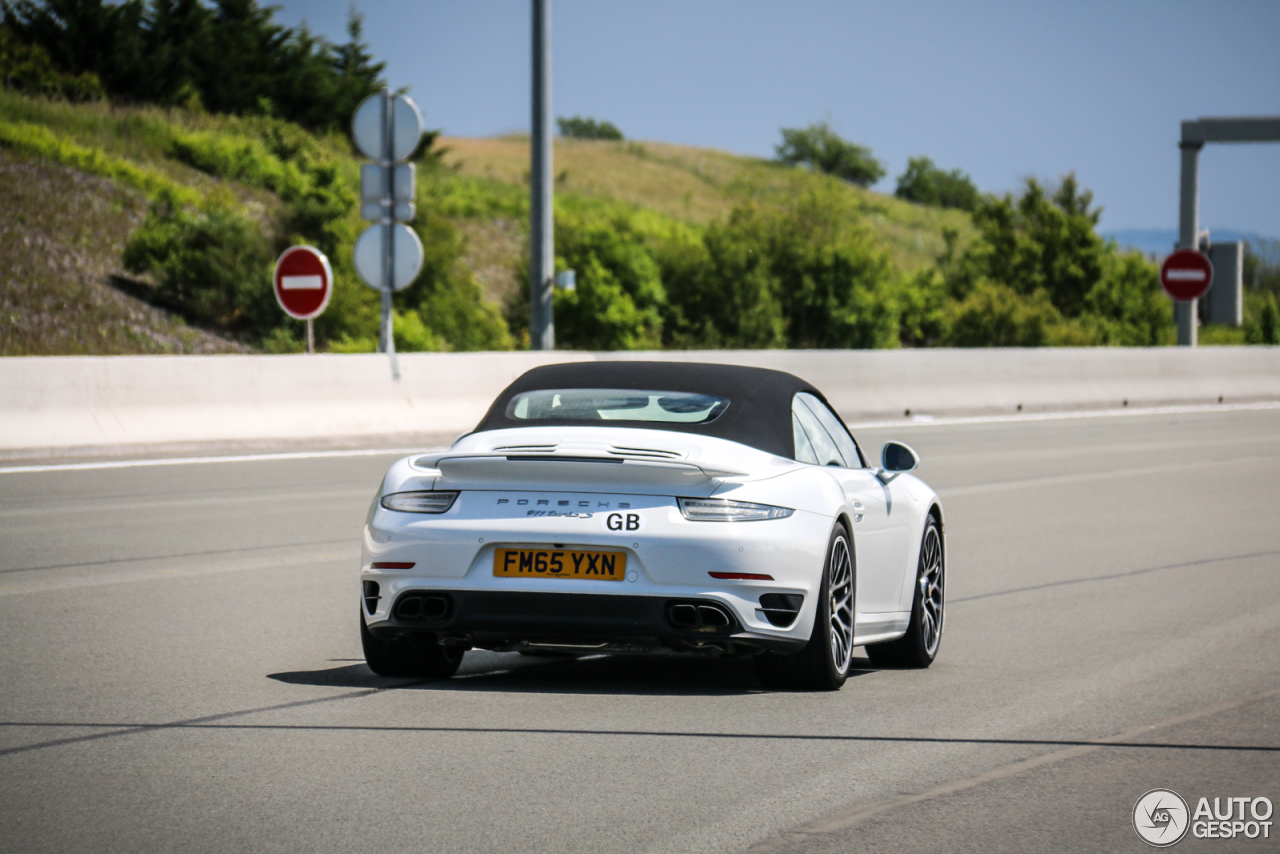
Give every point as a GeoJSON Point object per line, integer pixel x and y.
{"type": "Point", "coordinates": [822, 149]}
{"type": "Point", "coordinates": [673, 247]}
{"type": "Point", "coordinates": [576, 127]}
{"type": "Point", "coordinates": [925, 183]}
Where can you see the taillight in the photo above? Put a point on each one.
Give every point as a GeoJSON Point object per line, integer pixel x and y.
{"type": "Point", "coordinates": [720, 510]}
{"type": "Point", "coordinates": [425, 501]}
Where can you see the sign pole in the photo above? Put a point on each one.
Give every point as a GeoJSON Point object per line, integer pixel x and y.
{"type": "Point", "coordinates": [1195, 134]}
{"type": "Point", "coordinates": [1184, 312]}
{"type": "Point", "coordinates": [311, 337]}
{"type": "Point", "coordinates": [388, 230]}
{"type": "Point", "coordinates": [388, 239]}
{"type": "Point", "coordinates": [387, 129]}
{"type": "Point", "coordinates": [542, 335]}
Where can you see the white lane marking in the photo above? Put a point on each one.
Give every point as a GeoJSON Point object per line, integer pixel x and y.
{"type": "Point", "coordinates": [943, 421]}
{"type": "Point", "coordinates": [168, 571]}
{"type": "Point", "coordinates": [918, 421]}
{"type": "Point", "coordinates": [112, 504]}
{"type": "Point", "coordinates": [301, 283]}
{"type": "Point", "coordinates": [1084, 477]}
{"type": "Point", "coordinates": [241, 458]}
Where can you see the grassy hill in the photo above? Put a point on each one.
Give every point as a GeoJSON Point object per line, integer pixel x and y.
{"type": "Point", "coordinates": [697, 185]}
{"type": "Point", "coordinates": [62, 288]}
{"type": "Point", "coordinates": [78, 180]}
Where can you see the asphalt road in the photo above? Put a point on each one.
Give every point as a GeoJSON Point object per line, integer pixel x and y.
{"type": "Point", "coordinates": [181, 671]}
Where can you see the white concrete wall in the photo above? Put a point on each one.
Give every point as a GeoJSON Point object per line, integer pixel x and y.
{"type": "Point", "coordinates": [127, 404]}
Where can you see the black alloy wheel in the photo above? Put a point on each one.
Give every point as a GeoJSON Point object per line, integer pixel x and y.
{"type": "Point", "coordinates": [823, 665]}
{"type": "Point", "coordinates": [919, 646]}
{"type": "Point", "coordinates": [418, 656]}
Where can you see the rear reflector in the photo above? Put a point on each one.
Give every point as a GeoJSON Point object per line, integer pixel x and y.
{"type": "Point", "coordinates": [741, 576]}
{"type": "Point", "coordinates": [390, 565]}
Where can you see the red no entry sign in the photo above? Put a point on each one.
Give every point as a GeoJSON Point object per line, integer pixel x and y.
{"type": "Point", "coordinates": [303, 282]}
{"type": "Point", "coordinates": [1186, 275]}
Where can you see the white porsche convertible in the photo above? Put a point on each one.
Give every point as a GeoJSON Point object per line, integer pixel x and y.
{"type": "Point", "coordinates": [656, 507]}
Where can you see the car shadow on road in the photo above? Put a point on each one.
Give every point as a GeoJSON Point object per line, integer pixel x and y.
{"type": "Point", "coordinates": [605, 674]}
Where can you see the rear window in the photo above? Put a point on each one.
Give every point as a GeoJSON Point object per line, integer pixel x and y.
{"type": "Point", "coordinates": [610, 404]}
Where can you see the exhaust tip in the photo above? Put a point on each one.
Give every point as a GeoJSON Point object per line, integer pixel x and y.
{"type": "Point", "coordinates": [684, 616]}
{"type": "Point", "coordinates": [699, 616]}
{"type": "Point", "coordinates": [418, 607]}
{"type": "Point", "coordinates": [709, 615]}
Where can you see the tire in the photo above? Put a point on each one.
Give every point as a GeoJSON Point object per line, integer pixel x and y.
{"type": "Point", "coordinates": [919, 646]}
{"type": "Point", "coordinates": [421, 657]}
{"type": "Point", "coordinates": [823, 665]}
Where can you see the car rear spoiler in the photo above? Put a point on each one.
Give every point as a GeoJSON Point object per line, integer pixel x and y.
{"type": "Point", "coordinates": [565, 473]}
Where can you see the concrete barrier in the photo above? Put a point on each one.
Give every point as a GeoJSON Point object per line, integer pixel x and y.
{"type": "Point", "coordinates": [65, 406]}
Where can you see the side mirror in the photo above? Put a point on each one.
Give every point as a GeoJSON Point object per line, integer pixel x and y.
{"type": "Point", "coordinates": [895, 459]}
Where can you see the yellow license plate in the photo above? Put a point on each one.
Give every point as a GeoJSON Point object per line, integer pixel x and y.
{"type": "Point", "coordinates": [558, 563]}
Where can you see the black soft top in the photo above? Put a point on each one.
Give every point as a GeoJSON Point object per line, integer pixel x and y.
{"type": "Point", "coordinates": [759, 413]}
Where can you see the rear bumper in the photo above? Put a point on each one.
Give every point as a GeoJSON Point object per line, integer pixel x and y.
{"type": "Point", "coordinates": [506, 620]}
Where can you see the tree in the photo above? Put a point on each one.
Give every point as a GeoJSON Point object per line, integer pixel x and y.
{"type": "Point", "coordinates": [28, 68]}
{"type": "Point", "coordinates": [1038, 273]}
{"type": "Point", "coordinates": [926, 184]}
{"type": "Point", "coordinates": [807, 275]}
{"type": "Point", "coordinates": [821, 148]}
{"type": "Point", "coordinates": [577, 127]}
{"type": "Point", "coordinates": [618, 296]}
{"type": "Point", "coordinates": [228, 56]}
{"type": "Point", "coordinates": [358, 74]}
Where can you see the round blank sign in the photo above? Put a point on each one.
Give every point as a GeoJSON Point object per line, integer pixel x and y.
{"type": "Point", "coordinates": [407, 262]}
{"type": "Point", "coordinates": [369, 132]}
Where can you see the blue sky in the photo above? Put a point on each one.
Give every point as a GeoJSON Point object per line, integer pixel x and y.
{"type": "Point", "coordinates": [1002, 90]}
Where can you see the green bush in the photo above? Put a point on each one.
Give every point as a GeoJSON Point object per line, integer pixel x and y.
{"type": "Point", "coordinates": [446, 296]}
{"type": "Point", "coordinates": [922, 305]}
{"type": "Point", "coordinates": [822, 149]}
{"type": "Point", "coordinates": [444, 309]}
{"type": "Point", "coordinates": [721, 290]}
{"type": "Point", "coordinates": [1261, 318]}
{"type": "Point", "coordinates": [618, 298]}
{"type": "Point", "coordinates": [40, 141]}
{"type": "Point", "coordinates": [1041, 251]}
{"type": "Point", "coordinates": [1127, 306]}
{"type": "Point", "coordinates": [926, 184]}
{"type": "Point", "coordinates": [994, 315]}
{"type": "Point", "coordinates": [280, 157]}
{"type": "Point", "coordinates": [356, 344]}
{"type": "Point", "coordinates": [412, 335]}
{"type": "Point", "coordinates": [807, 275]}
{"type": "Point", "coordinates": [577, 127]}
{"type": "Point", "coordinates": [213, 265]}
